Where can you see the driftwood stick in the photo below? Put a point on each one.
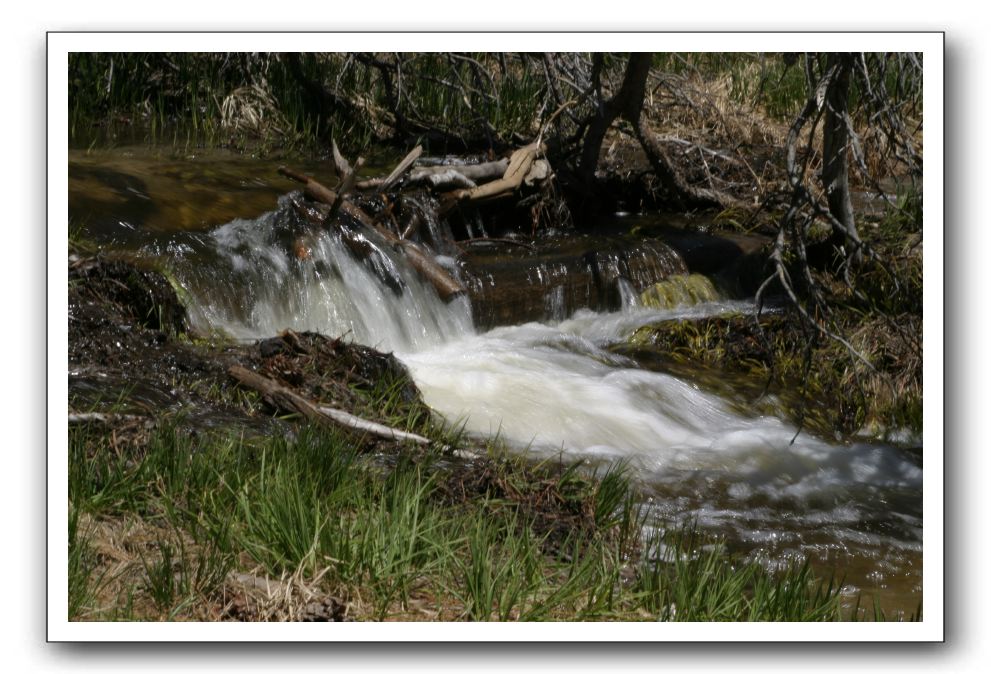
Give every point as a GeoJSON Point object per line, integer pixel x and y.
{"type": "Point", "coordinates": [477, 173]}
{"type": "Point", "coordinates": [405, 165]}
{"type": "Point", "coordinates": [289, 401]}
{"type": "Point", "coordinates": [346, 419]}
{"type": "Point", "coordinates": [449, 180]}
{"type": "Point", "coordinates": [520, 164]}
{"type": "Point", "coordinates": [276, 394]}
{"type": "Point", "coordinates": [347, 184]}
{"type": "Point", "coordinates": [341, 166]}
{"type": "Point", "coordinates": [89, 417]}
{"type": "Point", "coordinates": [445, 284]}
{"type": "Point", "coordinates": [311, 187]}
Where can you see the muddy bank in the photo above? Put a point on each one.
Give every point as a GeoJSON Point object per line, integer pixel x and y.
{"type": "Point", "coordinates": [129, 353]}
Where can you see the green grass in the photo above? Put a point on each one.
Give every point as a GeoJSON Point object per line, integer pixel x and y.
{"type": "Point", "coordinates": [181, 99]}
{"type": "Point", "coordinates": [689, 580]}
{"type": "Point", "coordinates": [395, 538]}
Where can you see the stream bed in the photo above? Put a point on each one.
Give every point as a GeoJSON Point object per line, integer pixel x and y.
{"type": "Point", "coordinates": [547, 384]}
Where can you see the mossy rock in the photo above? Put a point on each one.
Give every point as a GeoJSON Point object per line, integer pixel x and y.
{"type": "Point", "coordinates": [679, 290]}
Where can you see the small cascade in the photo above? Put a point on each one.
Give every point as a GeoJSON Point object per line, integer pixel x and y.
{"type": "Point", "coordinates": [432, 231]}
{"type": "Point", "coordinates": [554, 304]}
{"type": "Point", "coordinates": [554, 387]}
{"type": "Point", "coordinates": [629, 300]}
{"type": "Point", "coordinates": [254, 278]}
{"type": "Point", "coordinates": [557, 279]}
{"type": "Point", "coordinates": [528, 355]}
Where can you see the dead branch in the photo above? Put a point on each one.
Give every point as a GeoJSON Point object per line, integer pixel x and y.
{"type": "Point", "coordinates": [311, 187]}
{"type": "Point", "coordinates": [401, 168]}
{"type": "Point", "coordinates": [447, 287]}
{"type": "Point", "coordinates": [519, 167]}
{"type": "Point", "coordinates": [347, 184]}
{"type": "Point", "coordinates": [341, 166]}
{"type": "Point", "coordinates": [428, 175]}
{"type": "Point", "coordinates": [287, 400]}
{"type": "Point", "coordinates": [672, 179]}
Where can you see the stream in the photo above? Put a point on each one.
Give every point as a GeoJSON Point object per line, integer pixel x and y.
{"type": "Point", "coordinates": [548, 384]}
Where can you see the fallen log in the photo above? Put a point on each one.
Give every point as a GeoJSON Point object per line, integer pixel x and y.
{"type": "Point", "coordinates": [428, 175]}
{"type": "Point", "coordinates": [446, 285]}
{"type": "Point", "coordinates": [287, 400]}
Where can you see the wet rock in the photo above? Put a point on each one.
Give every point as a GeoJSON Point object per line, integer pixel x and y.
{"type": "Point", "coordinates": [679, 290]}
{"type": "Point", "coordinates": [508, 286]}
{"type": "Point", "coordinates": [134, 294]}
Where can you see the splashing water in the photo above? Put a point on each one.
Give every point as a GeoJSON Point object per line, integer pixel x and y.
{"type": "Point", "coordinates": [552, 388]}
{"type": "Point", "coordinates": [244, 283]}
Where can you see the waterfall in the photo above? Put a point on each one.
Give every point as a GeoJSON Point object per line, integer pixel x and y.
{"type": "Point", "coordinates": [254, 278]}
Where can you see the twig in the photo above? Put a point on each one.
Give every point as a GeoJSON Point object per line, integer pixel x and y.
{"type": "Point", "coordinates": [289, 401]}
{"type": "Point", "coordinates": [401, 168]}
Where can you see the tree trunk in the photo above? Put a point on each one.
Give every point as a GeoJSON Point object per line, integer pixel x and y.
{"type": "Point", "coordinates": [627, 102]}
{"type": "Point", "coordinates": [835, 149]}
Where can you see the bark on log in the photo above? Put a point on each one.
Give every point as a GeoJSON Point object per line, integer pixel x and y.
{"type": "Point", "coordinates": [289, 401]}
{"type": "Point", "coordinates": [405, 165]}
{"type": "Point", "coordinates": [311, 187]}
{"type": "Point", "coordinates": [446, 285]}
{"type": "Point", "coordinates": [477, 173]}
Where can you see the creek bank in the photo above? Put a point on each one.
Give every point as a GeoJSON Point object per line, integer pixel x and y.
{"type": "Point", "coordinates": [130, 354]}
{"type": "Point", "coordinates": [134, 371]}
{"type": "Point", "coordinates": [768, 364]}
{"type": "Point", "coordinates": [162, 417]}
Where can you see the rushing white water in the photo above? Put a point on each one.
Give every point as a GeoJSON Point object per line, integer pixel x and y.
{"type": "Point", "coordinates": [246, 284]}
{"type": "Point", "coordinates": [553, 387]}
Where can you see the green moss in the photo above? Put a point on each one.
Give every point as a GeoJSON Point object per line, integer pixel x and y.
{"type": "Point", "coordinates": [822, 389]}
{"type": "Point", "coordinates": [679, 290]}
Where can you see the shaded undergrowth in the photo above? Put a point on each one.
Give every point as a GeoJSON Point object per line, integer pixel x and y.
{"type": "Point", "coordinates": [819, 382]}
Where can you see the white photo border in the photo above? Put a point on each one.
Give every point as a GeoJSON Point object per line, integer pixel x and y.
{"type": "Point", "coordinates": [930, 629]}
